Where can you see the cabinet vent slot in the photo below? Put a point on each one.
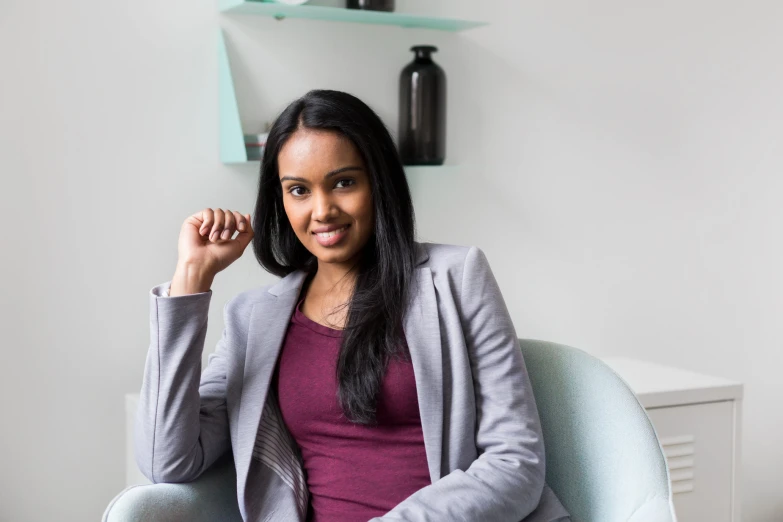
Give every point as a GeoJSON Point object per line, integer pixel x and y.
{"type": "Point", "coordinates": [680, 454]}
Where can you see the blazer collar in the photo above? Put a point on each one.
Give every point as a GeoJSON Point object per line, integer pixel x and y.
{"type": "Point", "coordinates": [295, 279]}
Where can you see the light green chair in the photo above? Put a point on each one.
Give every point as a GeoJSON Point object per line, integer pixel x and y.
{"type": "Point", "coordinates": [603, 458]}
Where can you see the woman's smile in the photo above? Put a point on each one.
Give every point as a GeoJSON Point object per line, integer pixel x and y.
{"type": "Point", "coordinates": [332, 238]}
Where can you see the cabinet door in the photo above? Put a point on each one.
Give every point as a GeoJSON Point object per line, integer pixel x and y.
{"type": "Point", "coordinates": [698, 440]}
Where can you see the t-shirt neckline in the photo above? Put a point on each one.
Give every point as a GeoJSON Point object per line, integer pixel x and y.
{"type": "Point", "coordinates": [301, 319]}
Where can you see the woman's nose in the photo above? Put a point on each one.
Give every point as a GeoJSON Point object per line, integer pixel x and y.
{"type": "Point", "coordinates": [323, 206]}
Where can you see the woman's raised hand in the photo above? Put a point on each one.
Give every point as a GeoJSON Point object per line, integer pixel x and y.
{"type": "Point", "coordinates": [206, 247]}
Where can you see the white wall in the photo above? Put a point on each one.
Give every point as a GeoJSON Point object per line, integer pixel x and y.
{"type": "Point", "coordinates": [620, 168]}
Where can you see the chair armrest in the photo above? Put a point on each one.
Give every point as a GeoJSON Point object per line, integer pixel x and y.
{"type": "Point", "coordinates": [210, 497]}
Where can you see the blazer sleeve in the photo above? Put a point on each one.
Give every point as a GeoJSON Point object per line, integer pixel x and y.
{"type": "Point", "coordinates": [506, 481]}
{"type": "Point", "coordinates": [181, 425]}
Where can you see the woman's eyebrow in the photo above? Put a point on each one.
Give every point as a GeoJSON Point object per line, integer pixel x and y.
{"type": "Point", "coordinates": [328, 175]}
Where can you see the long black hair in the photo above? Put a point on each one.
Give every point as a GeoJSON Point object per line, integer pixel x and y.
{"type": "Point", "coordinates": [373, 332]}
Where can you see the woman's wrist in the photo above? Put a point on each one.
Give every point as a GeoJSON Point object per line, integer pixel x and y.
{"type": "Point", "coordinates": [190, 279]}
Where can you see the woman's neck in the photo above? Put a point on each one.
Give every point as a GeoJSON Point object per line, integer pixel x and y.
{"type": "Point", "coordinates": [331, 279]}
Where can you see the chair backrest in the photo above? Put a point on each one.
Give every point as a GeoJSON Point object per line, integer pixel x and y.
{"type": "Point", "coordinates": [603, 458]}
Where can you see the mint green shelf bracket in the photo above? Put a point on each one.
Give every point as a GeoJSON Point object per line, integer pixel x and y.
{"type": "Point", "coordinates": [341, 14]}
{"type": "Point", "coordinates": [232, 141]}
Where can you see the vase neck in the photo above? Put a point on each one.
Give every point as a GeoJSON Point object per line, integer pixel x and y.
{"type": "Point", "coordinates": [423, 53]}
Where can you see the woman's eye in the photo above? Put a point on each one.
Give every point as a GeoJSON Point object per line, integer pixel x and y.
{"type": "Point", "coordinates": [293, 189]}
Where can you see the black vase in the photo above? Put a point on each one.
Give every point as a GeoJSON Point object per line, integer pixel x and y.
{"type": "Point", "coordinates": [422, 125]}
{"type": "Point", "coordinates": [372, 5]}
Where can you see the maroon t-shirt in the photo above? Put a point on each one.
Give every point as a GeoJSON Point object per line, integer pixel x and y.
{"type": "Point", "coordinates": [354, 472]}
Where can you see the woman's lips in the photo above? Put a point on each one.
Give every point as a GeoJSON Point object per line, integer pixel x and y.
{"type": "Point", "coordinates": [336, 236]}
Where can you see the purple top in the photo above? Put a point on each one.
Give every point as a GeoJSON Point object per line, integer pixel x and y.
{"type": "Point", "coordinates": [354, 472]}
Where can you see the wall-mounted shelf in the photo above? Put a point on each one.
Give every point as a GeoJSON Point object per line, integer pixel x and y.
{"type": "Point", "coordinates": [232, 141]}
{"type": "Point", "coordinates": [341, 14]}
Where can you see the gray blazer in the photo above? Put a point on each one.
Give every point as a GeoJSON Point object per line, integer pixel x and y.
{"type": "Point", "coordinates": [482, 433]}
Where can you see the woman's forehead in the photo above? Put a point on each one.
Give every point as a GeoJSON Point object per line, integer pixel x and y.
{"type": "Point", "coordinates": [317, 151]}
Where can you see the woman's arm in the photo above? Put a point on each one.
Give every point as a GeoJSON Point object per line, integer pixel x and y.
{"type": "Point", "coordinates": [181, 424]}
{"type": "Point", "coordinates": [506, 481]}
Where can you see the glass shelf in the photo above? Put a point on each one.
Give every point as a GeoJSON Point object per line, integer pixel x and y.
{"type": "Point", "coordinates": [341, 14]}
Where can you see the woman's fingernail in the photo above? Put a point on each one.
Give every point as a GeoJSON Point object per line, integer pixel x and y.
{"type": "Point", "coordinates": [225, 234]}
{"type": "Point", "coordinates": [241, 226]}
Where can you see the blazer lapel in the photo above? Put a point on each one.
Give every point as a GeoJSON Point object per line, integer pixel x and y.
{"type": "Point", "coordinates": [421, 325]}
{"type": "Point", "coordinates": [268, 323]}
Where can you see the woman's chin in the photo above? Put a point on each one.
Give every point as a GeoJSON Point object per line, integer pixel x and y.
{"type": "Point", "coordinates": [341, 253]}
{"type": "Point", "coordinates": [333, 254]}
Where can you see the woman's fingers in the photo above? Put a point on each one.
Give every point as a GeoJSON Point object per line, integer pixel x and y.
{"type": "Point", "coordinates": [229, 226]}
{"type": "Point", "coordinates": [207, 219]}
{"type": "Point", "coordinates": [240, 221]}
{"type": "Point", "coordinates": [219, 224]}
{"type": "Point", "coordinates": [245, 236]}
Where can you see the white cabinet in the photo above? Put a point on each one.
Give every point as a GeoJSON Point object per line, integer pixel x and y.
{"type": "Point", "coordinates": [697, 418]}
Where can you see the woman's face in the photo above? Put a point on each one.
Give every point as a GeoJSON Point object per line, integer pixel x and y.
{"type": "Point", "coordinates": [326, 186]}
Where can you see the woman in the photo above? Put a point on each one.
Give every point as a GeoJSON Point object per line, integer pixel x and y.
{"type": "Point", "coordinates": [380, 378]}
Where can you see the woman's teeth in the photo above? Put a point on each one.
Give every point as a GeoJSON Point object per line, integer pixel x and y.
{"type": "Point", "coordinates": [333, 233]}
